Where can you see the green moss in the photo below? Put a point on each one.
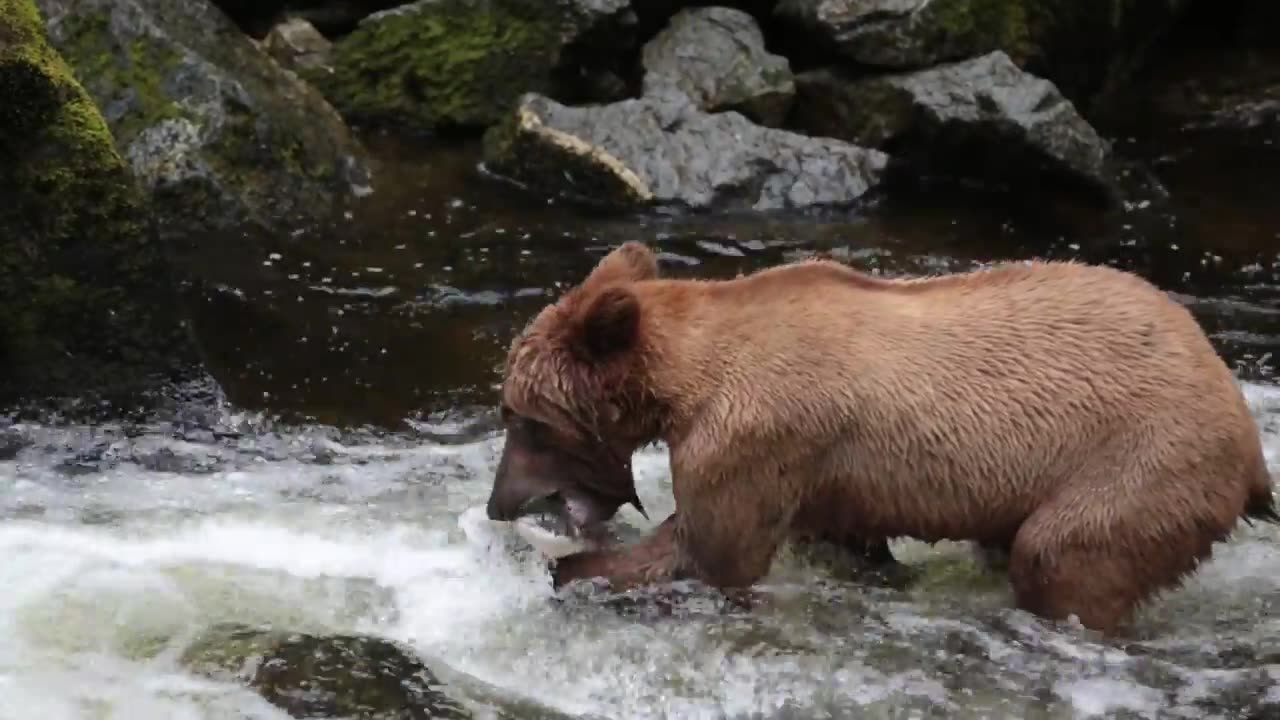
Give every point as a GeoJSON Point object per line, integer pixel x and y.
{"type": "Point", "coordinates": [77, 268]}
{"type": "Point", "coordinates": [132, 79]}
{"type": "Point", "coordinates": [984, 24]}
{"type": "Point", "coordinates": [20, 24]}
{"type": "Point", "coordinates": [867, 111]}
{"type": "Point", "coordinates": [453, 63]}
{"type": "Point", "coordinates": [241, 142]}
{"type": "Point", "coordinates": [323, 675]}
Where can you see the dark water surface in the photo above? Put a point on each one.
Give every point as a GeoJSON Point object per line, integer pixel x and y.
{"type": "Point", "coordinates": [405, 308]}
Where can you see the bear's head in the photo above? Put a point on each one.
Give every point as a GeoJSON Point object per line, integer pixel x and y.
{"type": "Point", "coordinates": [574, 402]}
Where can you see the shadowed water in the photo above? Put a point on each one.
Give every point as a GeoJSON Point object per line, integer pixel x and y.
{"type": "Point", "coordinates": [339, 486]}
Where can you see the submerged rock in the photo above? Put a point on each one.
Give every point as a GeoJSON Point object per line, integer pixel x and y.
{"type": "Point", "coordinates": [85, 302]}
{"type": "Point", "coordinates": [976, 118]}
{"type": "Point", "coordinates": [310, 676]}
{"type": "Point", "coordinates": [12, 442]}
{"type": "Point", "coordinates": [220, 134]}
{"type": "Point", "coordinates": [1084, 47]}
{"type": "Point", "coordinates": [662, 150]}
{"type": "Point", "coordinates": [441, 64]}
{"type": "Point", "coordinates": [717, 57]}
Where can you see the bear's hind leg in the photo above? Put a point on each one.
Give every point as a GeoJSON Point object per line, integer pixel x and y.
{"type": "Point", "coordinates": [1097, 551]}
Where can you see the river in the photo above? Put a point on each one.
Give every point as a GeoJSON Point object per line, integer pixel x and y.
{"type": "Point", "coordinates": [338, 486]}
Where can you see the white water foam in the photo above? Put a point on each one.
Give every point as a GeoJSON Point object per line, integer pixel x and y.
{"type": "Point", "coordinates": [112, 567]}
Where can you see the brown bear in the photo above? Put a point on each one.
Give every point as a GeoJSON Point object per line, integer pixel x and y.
{"type": "Point", "coordinates": [1071, 415]}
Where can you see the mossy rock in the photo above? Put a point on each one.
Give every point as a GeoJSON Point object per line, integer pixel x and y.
{"type": "Point", "coordinates": [314, 676]}
{"type": "Point", "coordinates": [217, 132]}
{"type": "Point", "coordinates": [457, 64]}
{"type": "Point", "coordinates": [978, 119]}
{"type": "Point", "coordinates": [908, 34]}
{"type": "Point", "coordinates": [1087, 48]}
{"type": "Point", "coordinates": [85, 304]}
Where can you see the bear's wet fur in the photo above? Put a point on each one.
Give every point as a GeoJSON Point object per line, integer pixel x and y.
{"type": "Point", "coordinates": [1071, 416]}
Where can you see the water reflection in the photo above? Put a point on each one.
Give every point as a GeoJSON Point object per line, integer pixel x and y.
{"type": "Point", "coordinates": [404, 307]}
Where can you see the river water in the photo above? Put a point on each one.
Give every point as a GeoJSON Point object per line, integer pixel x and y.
{"type": "Point", "coordinates": [338, 485]}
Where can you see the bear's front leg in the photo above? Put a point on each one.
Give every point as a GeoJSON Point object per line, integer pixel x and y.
{"type": "Point", "coordinates": [648, 561]}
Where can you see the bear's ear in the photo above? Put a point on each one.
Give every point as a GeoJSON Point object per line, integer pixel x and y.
{"type": "Point", "coordinates": [630, 262]}
{"type": "Point", "coordinates": [608, 324]}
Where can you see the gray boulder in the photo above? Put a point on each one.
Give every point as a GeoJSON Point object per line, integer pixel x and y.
{"type": "Point", "coordinates": [976, 118]}
{"type": "Point", "coordinates": [1087, 48]}
{"type": "Point", "coordinates": [437, 64]}
{"type": "Point", "coordinates": [216, 131]}
{"type": "Point", "coordinates": [911, 33]}
{"type": "Point", "coordinates": [661, 150]}
{"type": "Point", "coordinates": [717, 57]}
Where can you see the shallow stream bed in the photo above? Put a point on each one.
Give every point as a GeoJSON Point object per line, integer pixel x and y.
{"type": "Point", "coordinates": [340, 487]}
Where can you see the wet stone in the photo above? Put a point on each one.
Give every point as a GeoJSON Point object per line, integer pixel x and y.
{"type": "Point", "coordinates": [297, 45]}
{"type": "Point", "coordinates": [12, 442]}
{"type": "Point", "coordinates": [661, 150]}
{"type": "Point", "coordinates": [334, 676]}
{"type": "Point", "coordinates": [435, 65]}
{"type": "Point", "coordinates": [90, 460]}
{"type": "Point", "coordinates": [899, 33]}
{"type": "Point", "coordinates": [219, 134]}
{"type": "Point", "coordinates": [168, 460]}
{"type": "Point", "coordinates": [1089, 48]}
{"type": "Point", "coordinates": [983, 117]}
{"type": "Point", "coordinates": [717, 57]}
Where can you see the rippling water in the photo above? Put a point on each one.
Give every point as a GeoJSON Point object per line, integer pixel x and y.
{"type": "Point", "coordinates": [121, 548]}
{"type": "Point", "coordinates": [339, 488]}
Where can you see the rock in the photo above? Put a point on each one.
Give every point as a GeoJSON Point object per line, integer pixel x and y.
{"type": "Point", "coordinates": [86, 307]}
{"type": "Point", "coordinates": [310, 676]}
{"type": "Point", "coordinates": [298, 46]}
{"type": "Point", "coordinates": [12, 442]}
{"type": "Point", "coordinates": [661, 150]}
{"type": "Point", "coordinates": [216, 131]}
{"type": "Point", "coordinates": [332, 17]}
{"type": "Point", "coordinates": [1226, 89]}
{"type": "Point", "coordinates": [446, 64]}
{"type": "Point", "coordinates": [912, 33]}
{"type": "Point", "coordinates": [1086, 48]}
{"type": "Point", "coordinates": [717, 57]}
{"type": "Point", "coordinates": [975, 118]}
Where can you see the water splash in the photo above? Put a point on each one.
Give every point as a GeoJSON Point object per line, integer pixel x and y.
{"type": "Point", "coordinates": [121, 548]}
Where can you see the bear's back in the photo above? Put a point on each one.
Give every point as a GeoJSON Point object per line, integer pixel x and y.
{"type": "Point", "coordinates": [992, 386]}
